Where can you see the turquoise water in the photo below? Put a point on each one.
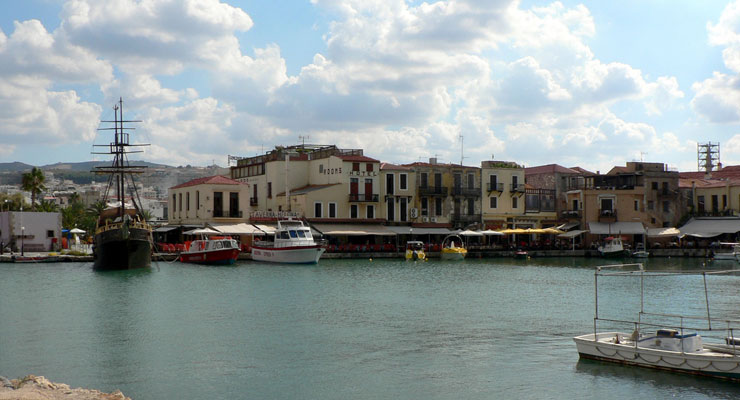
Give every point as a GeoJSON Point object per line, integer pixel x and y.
{"type": "Point", "coordinates": [344, 329]}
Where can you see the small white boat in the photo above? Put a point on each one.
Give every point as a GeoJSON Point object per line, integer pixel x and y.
{"type": "Point", "coordinates": [450, 251]}
{"type": "Point", "coordinates": [676, 348]}
{"type": "Point", "coordinates": [293, 244]}
{"type": "Point", "coordinates": [612, 247]}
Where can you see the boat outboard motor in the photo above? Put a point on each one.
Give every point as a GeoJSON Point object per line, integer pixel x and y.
{"type": "Point", "coordinates": [414, 255]}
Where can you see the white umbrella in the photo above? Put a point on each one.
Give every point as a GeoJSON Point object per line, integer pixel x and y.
{"type": "Point", "coordinates": [76, 230]}
{"type": "Point", "coordinates": [202, 231]}
{"type": "Point", "coordinates": [469, 233]}
{"type": "Point", "coordinates": [489, 232]}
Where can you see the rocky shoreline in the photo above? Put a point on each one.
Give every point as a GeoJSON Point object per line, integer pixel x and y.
{"type": "Point", "coordinates": [39, 388]}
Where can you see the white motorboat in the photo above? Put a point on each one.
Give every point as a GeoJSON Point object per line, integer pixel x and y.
{"type": "Point", "coordinates": [293, 244]}
{"type": "Point", "coordinates": [677, 348]}
{"type": "Point", "coordinates": [612, 247]}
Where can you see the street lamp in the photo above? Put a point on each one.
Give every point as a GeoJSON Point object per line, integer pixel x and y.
{"type": "Point", "coordinates": [23, 236]}
{"type": "Point", "coordinates": [5, 202]}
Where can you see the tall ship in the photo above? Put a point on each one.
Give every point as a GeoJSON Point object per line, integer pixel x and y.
{"type": "Point", "coordinates": [123, 238]}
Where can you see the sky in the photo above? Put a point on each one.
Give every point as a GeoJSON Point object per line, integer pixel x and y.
{"type": "Point", "coordinates": [590, 84]}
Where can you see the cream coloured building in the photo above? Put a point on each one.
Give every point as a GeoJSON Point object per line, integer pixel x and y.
{"type": "Point", "coordinates": [213, 200]}
{"type": "Point", "coordinates": [504, 192]}
{"type": "Point", "coordinates": [397, 191]}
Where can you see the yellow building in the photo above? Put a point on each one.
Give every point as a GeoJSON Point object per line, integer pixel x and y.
{"type": "Point", "coordinates": [398, 194]}
{"type": "Point", "coordinates": [504, 195]}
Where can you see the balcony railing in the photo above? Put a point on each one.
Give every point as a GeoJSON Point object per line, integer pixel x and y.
{"type": "Point", "coordinates": [495, 187]}
{"type": "Point", "coordinates": [433, 191]}
{"type": "Point", "coordinates": [363, 197]}
{"type": "Point", "coordinates": [252, 201]}
{"type": "Point", "coordinates": [467, 218]}
{"type": "Point", "coordinates": [218, 213]}
{"type": "Point", "coordinates": [235, 214]}
{"type": "Point", "coordinates": [571, 214]}
{"type": "Point", "coordinates": [606, 215]}
{"type": "Point", "coordinates": [466, 191]}
{"type": "Point", "coordinates": [517, 187]}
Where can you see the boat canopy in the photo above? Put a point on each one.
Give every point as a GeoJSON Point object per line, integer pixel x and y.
{"type": "Point", "coordinates": [710, 227]}
{"type": "Point", "coordinates": [353, 230]}
{"type": "Point", "coordinates": [616, 228]}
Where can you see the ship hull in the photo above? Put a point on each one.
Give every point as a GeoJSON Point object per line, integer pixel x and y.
{"type": "Point", "coordinates": [116, 250]}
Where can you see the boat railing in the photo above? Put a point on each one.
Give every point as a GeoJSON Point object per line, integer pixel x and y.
{"type": "Point", "coordinates": [117, 225]}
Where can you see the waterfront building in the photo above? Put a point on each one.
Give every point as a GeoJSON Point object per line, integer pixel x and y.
{"type": "Point", "coordinates": [503, 192]}
{"type": "Point", "coordinates": [627, 200]}
{"type": "Point", "coordinates": [210, 200]}
{"type": "Point", "coordinates": [319, 182]}
{"type": "Point", "coordinates": [31, 231]}
{"type": "Point", "coordinates": [448, 195]}
{"type": "Point", "coordinates": [553, 181]}
{"type": "Point", "coordinates": [398, 190]}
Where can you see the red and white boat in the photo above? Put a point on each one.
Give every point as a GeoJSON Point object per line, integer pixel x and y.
{"type": "Point", "coordinates": [293, 244]}
{"type": "Point", "coordinates": [216, 250]}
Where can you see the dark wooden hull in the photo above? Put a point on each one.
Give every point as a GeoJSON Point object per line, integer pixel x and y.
{"type": "Point", "coordinates": [116, 250]}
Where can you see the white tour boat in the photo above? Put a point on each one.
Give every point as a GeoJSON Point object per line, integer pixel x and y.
{"type": "Point", "coordinates": [293, 244]}
{"type": "Point", "coordinates": [652, 344]}
{"type": "Point", "coordinates": [612, 247]}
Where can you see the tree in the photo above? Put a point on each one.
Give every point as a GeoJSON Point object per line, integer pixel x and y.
{"type": "Point", "coordinates": [33, 182]}
{"type": "Point", "coordinates": [48, 206]}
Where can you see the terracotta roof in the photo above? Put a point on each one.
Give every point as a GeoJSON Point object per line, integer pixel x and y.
{"type": "Point", "coordinates": [209, 180]}
{"type": "Point", "coordinates": [389, 166]}
{"type": "Point", "coordinates": [583, 171]}
{"type": "Point", "coordinates": [357, 158]}
{"type": "Point", "coordinates": [549, 169]}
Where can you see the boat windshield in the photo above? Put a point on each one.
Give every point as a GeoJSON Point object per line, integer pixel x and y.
{"type": "Point", "coordinates": [284, 235]}
{"type": "Point", "coordinates": [301, 234]}
{"type": "Point", "coordinates": [293, 234]}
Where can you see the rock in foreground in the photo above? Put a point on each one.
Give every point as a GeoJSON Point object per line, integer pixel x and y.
{"type": "Point", "coordinates": [39, 388]}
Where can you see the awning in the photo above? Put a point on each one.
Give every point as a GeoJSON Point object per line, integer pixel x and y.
{"type": "Point", "coordinates": [166, 228]}
{"type": "Point", "coordinates": [468, 232]}
{"type": "Point", "coordinates": [616, 228]}
{"type": "Point", "coordinates": [268, 229]}
{"type": "Point", "coordinates": [571, 234]}
{"type": "Point", "coordinates": [408, 230]}
{"type": "Point", "coordinates": [353, 230]}
{"type": "Point", "coordinates": [568, 226]}
{"type": "Point", "coordinates": [710, 227]}
{"type": "Point", "coordinates": [201, 231]}
{"type": "Point", "coordinates": [663, 232]}
{"type": "Point", "coordinates": [238, 229]}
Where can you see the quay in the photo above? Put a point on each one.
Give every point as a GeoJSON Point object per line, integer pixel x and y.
{"type": "Point", "coordinates": [40, 257]}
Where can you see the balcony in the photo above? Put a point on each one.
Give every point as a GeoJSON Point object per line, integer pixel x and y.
{"type": "Point", "coordinates": [606, 215]}
{"type": "Point", "coordinates": [218, 213]}
{"type": "Point", "coordinates": [252, 201]}
{"type": "Point", "coordinates": [495, 187]}
{"type": "Point", "coordinates": [466, 191]}
{"type": "Point", "coordinates": [235, 214]}
{"type": "Point", "coordinates": [465, 218]}
{"type": "Point", "coordinates": [576, 214]}
{"type": "Point", "coordinates": [362, 197]}
{"type": "Point", "coordinates": [433, 191]}
{"type": "Point", "coordinates": [516, 188]}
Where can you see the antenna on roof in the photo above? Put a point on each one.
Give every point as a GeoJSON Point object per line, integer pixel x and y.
{"type": "Point", "coordinates": [642, 153]}
{"type": "Point", "coordinates": [303, 140]}
{"type": "Point", "coordinates": [461, 149]}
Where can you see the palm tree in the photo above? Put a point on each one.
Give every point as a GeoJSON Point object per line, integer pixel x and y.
{"type": "Point", "coordinates": [33, 182]}
{"type": "Point", "coordinates": [48, 206]}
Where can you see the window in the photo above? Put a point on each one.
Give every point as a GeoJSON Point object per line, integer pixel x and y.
{"type": "Point", "coordinates": [471, 206]}
{"type": "Point", "coordinates": [353, 211]}
{"type": "Point", "coordinates": [218, 204]}
{"type": "Point", "coordinates": [438, 207]}
{"type": "Point", "coordinates": [389, 183]}
{"type": "Point", "coordinates": [423, 180]}
{"type": "Point", "coordinates": [715, 203]}
{"type": "Point", "coordinates": [607, 204]}
{"type": "Point", "coordinates": [179, 203]}
{"type": "Point", "coordinates": [494, 202]}
{"type": "Point", "coordinates": [317, 208]}
{"type": "Point", "coordinates": [724, 201]}
{"type": "Point", "coordinates": [197, 200]}
{"type": "Point", "coordinates": [655, 185]}
{"type": "Point", "coordinates": [424, 206]}
{"type": "Point", "coordinates": [50, 234]}
{"type": "Point", "coordinates": [234, 205]}
{"type": "Point", "coordinates": [492, 181]}
{"type": "Point", "coordinates": [332, 210]}
{"type": "Point", "coordinates": [269, 190]}
{"type": "Point", "coordinates": [471, 181]}
{"type": "Point", "coordinates": [637, 205]}
{"type": "Point", "coordinates": [390, 210]}
{"type": "Point", "coordinates": [370, 211]}
{"type": "Point", "coordinates": [700, 205]}
{"type": "Point", "coordinates": [369, 167]}
{"type": "Point", "coordinates": [321, 168]}
{"type": "Point", "coordinates": [402, 211]}
{"type": "Point", "coordinates": [666, 206]}
{"type": "Point", "coordinates": [403, 182]}
{"type": "Point", "coordinates": [187, 201]}
{"type": "Point", "coordinates": [174, 202]}
{"type": "Point", "coordinates": [356, 166]}
{"type": "Point", "coordinates": [651, 206]}
{"type": "Point", "coordinates": [575, 204]}
{"type": "Point", "coordinates": [515, 202]}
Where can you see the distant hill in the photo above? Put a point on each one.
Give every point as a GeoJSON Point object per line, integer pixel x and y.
{"type": "Point", "coordinates": [89, 165]}
{"type": "Point", "coordinates": [14, 167]}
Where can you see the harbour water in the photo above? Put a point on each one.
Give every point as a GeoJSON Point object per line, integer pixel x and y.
{"type": "Point", "coordinates": [343, 329]}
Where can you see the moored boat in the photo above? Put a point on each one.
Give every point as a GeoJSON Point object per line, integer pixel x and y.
{"type": "Point", "coordinates": [521, 254]}
{"type": "Point", "coordinates": [677, 348]}
{"type": "Point", "coordinates": [729, 251]}
{"type": "Point", "coordinates": [293, 244]}
{"type": "Point", "coordinates": [415, 251]}
{"type": "Point", "coordinates": [613, 247]}
{"type": "Point", "coordinates": [123, 238]}
{"type": "Point", "coordinates": [214, 250]}
{"type": "Point", "coordinates": [450, 251]}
